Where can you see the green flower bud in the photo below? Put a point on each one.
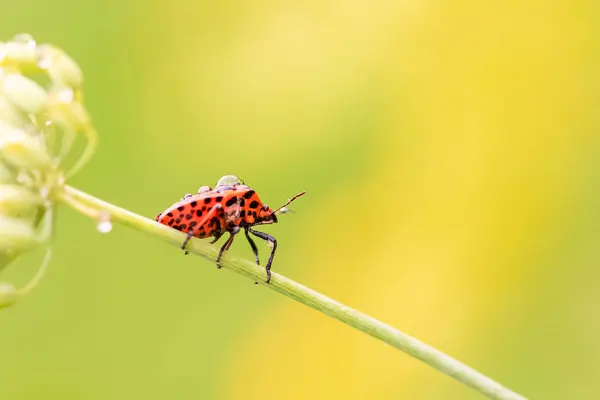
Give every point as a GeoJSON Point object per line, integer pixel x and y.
{"type": "Point", "coordinates": [24, 93]}
{"type": "Point", "coordinates": [63, 110]}
{"type": "Point", "coordinates": [8, 295]}
{"type": "Point", "coordinates": [60, 67]}
{"type": "Point", "coordinates": [20, 52]}
{"type": "Point", "coordinates": [9, 113]}
{"type": "Point", "coordinates": [16, 234]}
{"type": "Point", "coordinates": [18, 201]}
{"type": "Point", "coordinates": [22, 150]}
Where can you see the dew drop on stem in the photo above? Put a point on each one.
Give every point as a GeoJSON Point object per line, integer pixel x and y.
{"type": "Point", "coordinates": [104, 224]}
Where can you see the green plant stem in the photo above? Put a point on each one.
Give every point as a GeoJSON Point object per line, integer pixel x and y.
{"type": "Point", "coordinates": [94, 207]}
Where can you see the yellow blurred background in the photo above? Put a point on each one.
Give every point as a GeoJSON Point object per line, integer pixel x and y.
{"type": "Point", "coordinates": [451, 155]}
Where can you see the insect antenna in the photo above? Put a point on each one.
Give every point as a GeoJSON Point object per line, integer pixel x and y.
{"type": "Point", "coordinates": [289, 201]}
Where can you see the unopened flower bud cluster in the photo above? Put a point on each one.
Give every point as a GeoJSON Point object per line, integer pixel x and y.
{"type": "Point", "coordinates": [41, 117]}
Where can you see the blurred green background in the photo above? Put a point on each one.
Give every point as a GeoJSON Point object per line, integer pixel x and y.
{"type": "Point", "coordinates": [451, 155]}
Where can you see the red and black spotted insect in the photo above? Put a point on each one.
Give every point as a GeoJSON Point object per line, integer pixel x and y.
{"type": "Point", "coordinates": [230, 207]}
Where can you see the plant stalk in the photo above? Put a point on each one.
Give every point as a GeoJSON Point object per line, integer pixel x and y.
{"type": "Point", "coordinates": [435, 358]}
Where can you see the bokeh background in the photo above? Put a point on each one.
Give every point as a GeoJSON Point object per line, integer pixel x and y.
{"type": "Point", "coordinates": [451, 153]}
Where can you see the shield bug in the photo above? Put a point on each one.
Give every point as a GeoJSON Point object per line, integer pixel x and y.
{"type": "Point", "coordinates": [230, 207]}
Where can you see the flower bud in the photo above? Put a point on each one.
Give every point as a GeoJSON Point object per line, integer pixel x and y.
{"type": "Point", "coordinates": [60, 67]}
{"type": "Point", "coordinates": [20, 52]}
{"type": "Point", "coordinates": [22, 150]}
{"type": "Point", "coordinates": [16, 234]}
{"type": "Point", "coordinates": [24, 93]}
{"type": "Point", "coordinates": [8, 295]}
{"type": "Point", "coordinates": [20, 202]}
{"type": "Point", "coordinates": [63, 110]}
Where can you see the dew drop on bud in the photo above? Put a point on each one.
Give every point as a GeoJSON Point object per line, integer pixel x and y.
{"type": "Point", "coordinates": [104, 225]}
{"type": "Point", "coordinates": [26, 39]}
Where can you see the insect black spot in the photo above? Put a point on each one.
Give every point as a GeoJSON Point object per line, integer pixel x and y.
{"type": "Point", "coordinates": [201, 234]}
{"type": "Point", "coordinates": [254, 214]}
{"type": "Point", "coordinates": [243, 213]}
{"type": "Point", "coordinates": [194, 204]}
{"type": "Point", "coordinates": [254, 204]}
{"type": "Point", "coordinates": [193, 224]}
{"type": "Point", "coordinates": [170, 214]}
{"type": "Point", "coordinates": [182, 227]}
{"type": "Point", "coordinates": [204, 208]}
{"type": "Point", "coordinates": [188, 216]}
{"type": "Point", "coordinates": [178, 220]}
{"type": "Point", "coordinates": [215, 221]}
{"type": "Point", "coordinates": [219, 199]}
{"type": "Point", "coordinates": [249, 194]}
{"type": "Point", "coordinates": [198, 213]}
{"type": "Point", "coordinates": [242, 202]}
{"type": "Point", "coordinates": [207, 200]}
{"type": "Point", "coordinates": [171, 222]}
{"type": "Point", "coordinates": [231, 201]}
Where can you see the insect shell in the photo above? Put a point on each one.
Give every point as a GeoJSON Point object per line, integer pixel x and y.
{"type": "Point", "coordinates": [230, 207]}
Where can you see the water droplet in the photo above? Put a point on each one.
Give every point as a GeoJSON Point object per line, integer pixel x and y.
{"type": "Point", "coordinates": [283, 210]}
{"type": "Point", "coordinates": [24, 38]}
{"type": "Point", "coordinates": [48, 123]}
{"type": "Point", "coordinates": [104, 225]}
{"type": "Point", "coordinates": [229, 180]}
{"type": "Point", "coordinates": [65, 95]}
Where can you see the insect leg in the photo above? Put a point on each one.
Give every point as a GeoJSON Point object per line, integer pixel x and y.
{"type": "Point", "coordinates": [271, 239]}
{"type": "Point", "coordinates": [253, 245]}
{"type": "Point", "coordinates": [211, 213]}
{"type": "Point", "coordinates": [217, 237]}
{"type": "Point", "coordinates": [226, 246]}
